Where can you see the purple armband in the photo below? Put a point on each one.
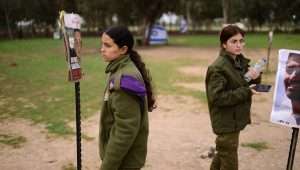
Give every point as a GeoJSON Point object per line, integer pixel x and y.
{"type": "Point", "coordinates": [131, 84]}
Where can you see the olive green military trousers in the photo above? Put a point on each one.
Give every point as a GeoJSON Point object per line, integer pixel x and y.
{"type": "Point", "coordinates": [226, 157]}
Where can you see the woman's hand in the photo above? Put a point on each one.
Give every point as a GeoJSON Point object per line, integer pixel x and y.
{"type": "Point", "coordinates": [254, 92]}
{"type": "Point", "coordinates": [252, 73]}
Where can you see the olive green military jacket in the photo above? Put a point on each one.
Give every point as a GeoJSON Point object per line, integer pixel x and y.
{"type": "Point", "coordinates": [124, 117]}
{"type": "Point", "coordinates": [228, 94]}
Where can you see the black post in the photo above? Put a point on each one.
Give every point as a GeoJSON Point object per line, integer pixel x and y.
{"type": "Point", "coordinates": [78, 126]}
{"type": "Point", "coordinates": [292, 149]}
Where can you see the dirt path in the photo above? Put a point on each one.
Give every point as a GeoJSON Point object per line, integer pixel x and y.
{"type": "Point", "coordinates": [40, 151]}
{"type": "Point", "coordinates": [178, 137]}
{"type": "Point", "coordinates": [173, 139]}
{"type": "Point", "coordinates": [180, 133]}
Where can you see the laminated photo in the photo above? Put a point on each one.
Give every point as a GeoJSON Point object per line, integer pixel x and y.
{"type": "Point", "coordinates": [286, 101]}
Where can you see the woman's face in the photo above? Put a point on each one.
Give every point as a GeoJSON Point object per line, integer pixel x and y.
{"type": "Point", "coordinates": [234, 44]}
{"type": "Point", "coordinates": [292, 77]}
{"type": "Point", "coordinates": [109, 49]}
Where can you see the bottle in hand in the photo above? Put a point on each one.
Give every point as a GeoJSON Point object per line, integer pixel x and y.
{"type": "Point", "coordinates": [258, 67]}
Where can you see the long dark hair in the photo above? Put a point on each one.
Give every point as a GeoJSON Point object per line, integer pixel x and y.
{"type": "Point", "coordinates": [123, 37]}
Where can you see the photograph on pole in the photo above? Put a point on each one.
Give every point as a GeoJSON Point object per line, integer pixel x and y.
{"type": "Point", "coordinates": [70, 26]}
{"type": "Point", "coordinates": [286, 102]}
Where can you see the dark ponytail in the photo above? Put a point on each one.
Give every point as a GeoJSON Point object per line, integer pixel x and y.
{"type": "Point", "coordinates": [123, 37]}
{"type": "Point", "coordinates": [137, 60]}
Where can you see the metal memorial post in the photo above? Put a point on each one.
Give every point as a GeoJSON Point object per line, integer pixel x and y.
{"type": "Point", "coordinates": [270, 40]}
{"type": "Point", "coordinates": [292, 148]}
{"type": "Point", "coordinates": [70, 26]}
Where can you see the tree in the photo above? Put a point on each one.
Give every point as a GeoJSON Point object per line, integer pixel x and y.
{"type": "Point", "coordinates": [150, 11]}
{"type": "Point", "coordinates": [284, 11]}
{"type": "Point", "coordinates": [97, 13]}
{"type": "Point", "coordinates": [202, 12]}
{"type": "Point", "coordinates": [257, 12]}
{"type": "Point", "coordinates": [225, 5]}
{"type": "Point", "coordinates": [10, 10]}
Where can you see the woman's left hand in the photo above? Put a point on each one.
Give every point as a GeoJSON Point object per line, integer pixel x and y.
{"type": "Point", "coordinates": [254, 92]}
{"type": "Point", "coordinates": [252, 73]}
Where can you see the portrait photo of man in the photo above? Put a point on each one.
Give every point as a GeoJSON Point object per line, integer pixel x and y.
{"type": "Point", "coordinates": [292, 81]}
{"type": "Point", "coordinates": [286, 103]}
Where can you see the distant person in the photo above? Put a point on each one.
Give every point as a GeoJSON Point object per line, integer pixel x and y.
{"type": "Point", "coordinates": [183, 25]}
{"type": "Point", "coordinates": [292, 81]}
{"type": "Point", "coordinates": [127, 99]}
{"type": "Point", "coordinates": [229, 96]}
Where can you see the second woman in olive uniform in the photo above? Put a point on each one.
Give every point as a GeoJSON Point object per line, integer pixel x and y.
{"type": "Point", "coordinates": [128, 98]}
{"type": "Point", "coordinates": [229, 96]}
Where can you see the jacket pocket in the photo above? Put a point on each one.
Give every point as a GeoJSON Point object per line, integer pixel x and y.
{"type": "Point", "coordinates": [228, 119]}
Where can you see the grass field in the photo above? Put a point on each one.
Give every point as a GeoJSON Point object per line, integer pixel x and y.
{"type": "Point", "coordinates": [288, 41]}
{"type": "Point", "coordinates": [34, 85]}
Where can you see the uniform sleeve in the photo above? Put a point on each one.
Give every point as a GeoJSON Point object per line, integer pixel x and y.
{"type": "Point", "coordinates": [127, 115]}
{"type": "Point", "coordinates": [218, 94]}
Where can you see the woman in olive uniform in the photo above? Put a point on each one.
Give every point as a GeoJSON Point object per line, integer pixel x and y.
{"type": "Point", "coordinates": [128, 97]}
{"type": "Point", "coordinates": [229, 96]}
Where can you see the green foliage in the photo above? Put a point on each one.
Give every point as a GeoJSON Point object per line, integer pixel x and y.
{"type": "Point", "coordinates": [282, 15]}
{"type": "Point", "coordinates": [70, 166]}
{"type": "Point", "coordinates": [12, 140]}
{"type": "Point", "coordinates": [204, 10]}
{"type": "Point", "coordinates": [259, 146]}
{"type": "Point", "coordinates": [59, 128]}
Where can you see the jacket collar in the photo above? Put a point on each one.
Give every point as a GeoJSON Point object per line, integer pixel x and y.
{"type": "Point", "coordinates": [239, 62]}
{"type": "Point", "coordinates": [115, 64]}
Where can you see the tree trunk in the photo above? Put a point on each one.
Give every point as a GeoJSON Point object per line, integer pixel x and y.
{"type": "Point", "coordinates": [147, 40]}
{"type": "Point", "coordinates": [225, 4]}
{"type": "Point", "coordinates": [7, 24]}
{"type": "Point", "coordinates": [188, 13]}
{"type": "Point", "coordinates": [146, 27]}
